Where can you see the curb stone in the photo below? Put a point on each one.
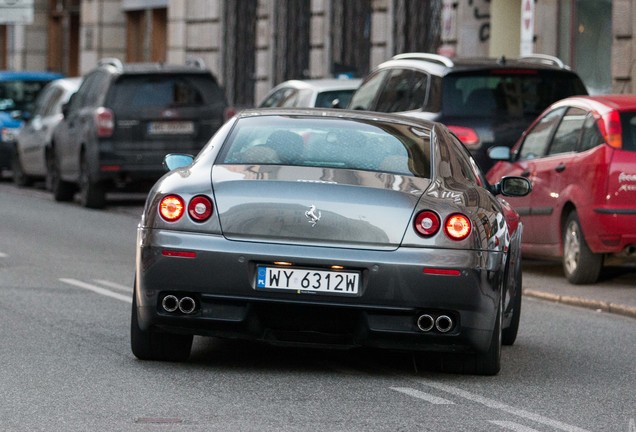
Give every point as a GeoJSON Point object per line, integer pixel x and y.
{"type": "Point", "coordinates": [598, 305]}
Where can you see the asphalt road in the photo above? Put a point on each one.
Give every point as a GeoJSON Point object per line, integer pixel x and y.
{"type": "Point", "coordinates": [65, 286]}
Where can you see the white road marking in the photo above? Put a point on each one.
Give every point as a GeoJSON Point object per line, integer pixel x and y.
{"type": "Point", "coordinates": [424, 396]}
{"type": "Point", "coordinates": [491, 403]}
{"type": "Point", "coordinates": [114, 285]}
{"type": "Point", "coordinates": [516, 427]}
{"type": "Point", "coordinates": [98, 290]}
{"type": "Point", "coordinates": [3, 255]}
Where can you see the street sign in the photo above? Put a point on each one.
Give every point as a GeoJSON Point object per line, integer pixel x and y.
{"type": "Point", "coordinates": [527, 27]}
{"type": "Point", "coordinates": [16, 11]}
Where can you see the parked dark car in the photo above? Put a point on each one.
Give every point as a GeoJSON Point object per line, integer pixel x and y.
{"type": "Point", "coordinates": [18, 91]}
{"type": "Point", "coordinates": [332, 228]}
{"type": "Point", "coordinates": [485, 102]}
{"type": "Point", "coordinates": [124, 119]}
{"type": "Point", "coordinates": [33, 147]}
{"type": "Point", "coordinates": [580, 156]}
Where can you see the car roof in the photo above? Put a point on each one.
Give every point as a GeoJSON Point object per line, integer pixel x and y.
{"type": "Point", "coordinates": [29, 75]}
{"type": "Point", "coordinates": [338, 113]}
{"type": "Point", "coordinates": [116, 66]}
{"type": "Point", "coordinates": [325, 84]}
{"type": "Point", "coordinates": [601, 103]}
{"type": "Point", "coordinates": [441, 65]}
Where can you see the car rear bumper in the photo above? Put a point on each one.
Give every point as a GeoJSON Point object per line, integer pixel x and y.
{"type": "Point", "coordinates": [220, 275]}
{"type": "Point", "coordinates": [618, 233]}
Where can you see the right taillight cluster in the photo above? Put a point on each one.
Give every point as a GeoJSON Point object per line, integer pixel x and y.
{"type": "Point", "coordinates": [173, 207]}
{"type": "Point", "coordinates": [456, 226]}
{"type": "Point", "coordinates": [104, 122]}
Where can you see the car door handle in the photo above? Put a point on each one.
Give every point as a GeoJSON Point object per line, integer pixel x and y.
{"type": "Point", "coordinates": [560, 168]}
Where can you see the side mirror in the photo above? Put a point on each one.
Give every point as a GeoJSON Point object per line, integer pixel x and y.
{"type": "Point", "coordinates": [176, 160]}
{"type": "Point", "coordinates": [499, 153]}
{"type": "Point", "coordinates": [513, 186]}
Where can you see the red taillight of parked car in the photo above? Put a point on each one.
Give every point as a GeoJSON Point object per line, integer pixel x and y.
{"type": "Point", "coordinates": [427, 223]}
{"type": "Point", "coordinates": [457, 226]}
{"type": "Point", "coordinates": [200, 208]}
{"type": "Point", "coordinates": [611, 129]}
{"type": "Point", "coordinates": [466, 135]}
{"type": "Point", "coordinates": [171, 208]}
{"type": "Point", "coordinates": [104, 122]}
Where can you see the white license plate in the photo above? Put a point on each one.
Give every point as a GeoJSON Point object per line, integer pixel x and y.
{"type": "Point", "coordinates": [307, 280]}
{"type": "Point", "coordinates": [171, 128]}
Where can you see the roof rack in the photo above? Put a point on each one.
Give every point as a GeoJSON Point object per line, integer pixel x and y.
{"type": "Point", "coordinates": [544, 59]}
{"type": "Point", "coordinates": [195, 62]}
{"type": "Point", "coordinates": [111, 61]}
{"type": "Point", "coordinates": [443, 60]}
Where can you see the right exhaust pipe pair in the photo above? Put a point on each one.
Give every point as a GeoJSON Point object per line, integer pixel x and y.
{"type": "Point", "coordinates": [442, 323]}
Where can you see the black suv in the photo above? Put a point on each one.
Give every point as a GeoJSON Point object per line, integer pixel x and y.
{"type": "Point", "coordinates": [124, 119]}
{"type": "Point", "coordinates": [485, 102]}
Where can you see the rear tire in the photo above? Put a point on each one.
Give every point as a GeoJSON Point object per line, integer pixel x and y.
{"type": "Point", "coordinates": [580, 265]}
{"type": "Point", "coordinates": [91, 193]}
{"type": "Point", "coordinates": [514, 276]}
{"type": "Point", "coordinates": [486, 363]}
{"type": "Point", "coordinates": [156, 345]}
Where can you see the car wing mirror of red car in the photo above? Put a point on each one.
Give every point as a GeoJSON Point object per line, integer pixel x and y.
{"type": "Point", "coordinates": [513, 186]}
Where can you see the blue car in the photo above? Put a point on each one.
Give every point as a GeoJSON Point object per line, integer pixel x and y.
{"type": "Point", "coordinates": [18, 91]}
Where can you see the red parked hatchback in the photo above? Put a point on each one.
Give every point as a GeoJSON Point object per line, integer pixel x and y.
{"type": "Point", "coordinates": [580, 156]}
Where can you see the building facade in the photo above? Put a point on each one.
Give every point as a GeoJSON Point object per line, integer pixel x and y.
{"type": "Point", "coordinates": [252, 45]}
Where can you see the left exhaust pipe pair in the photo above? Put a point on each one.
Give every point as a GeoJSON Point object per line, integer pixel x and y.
{"type": "Point", "coordinates": [185, 305]}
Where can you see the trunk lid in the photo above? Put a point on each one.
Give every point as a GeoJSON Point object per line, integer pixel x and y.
{"type": "Point", "coordinates": [315, 206]}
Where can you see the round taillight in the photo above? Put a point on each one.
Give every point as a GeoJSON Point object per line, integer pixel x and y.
{"type": "Point", "coordinates": [200, 208]}
{"type": "Point", "coordinates": [171, 208]}
{"type": "Point", "coordinates": [457, 226]}
{"type": "Point", "coordinates": [427, 223]}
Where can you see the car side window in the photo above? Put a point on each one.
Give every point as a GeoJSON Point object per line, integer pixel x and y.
{"type": "Point", "coordinates": [538, 138]}
{"type": "Point", "coordinates": [277, 98]}
{"type": "Point", "coordinates": [395, 94]}
{"type": "Point", "coordinates": [592, 136]}
{"type": "Point", "coordinates": [365, 96]}
{"type": "Point", "coordinates": [568, 133]}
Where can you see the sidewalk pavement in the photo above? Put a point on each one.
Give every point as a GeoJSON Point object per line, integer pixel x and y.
{"type": "Point", "coordinates": [614, 293]}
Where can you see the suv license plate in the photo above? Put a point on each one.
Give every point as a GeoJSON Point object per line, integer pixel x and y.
{"type": "Point", "coordinates": [307, 280]}
{"type": "Point", "coordinates": [171, 128]}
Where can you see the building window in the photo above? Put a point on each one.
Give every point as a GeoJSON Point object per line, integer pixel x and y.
{"type": "Point", "coordinates": [417, 26]}
{"type": "Point", "coordinates": [585, 41]}
{"type": "Point", "coordinates": [351, 37]}
{"type": "Point", "coordinates": [291, 51]}
{"type": "Point", "coordinates": [146, 35]}
{"type": "Point", "coordinates": [240, 51]}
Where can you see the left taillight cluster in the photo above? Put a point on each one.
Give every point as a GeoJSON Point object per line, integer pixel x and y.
{"type": "Point", "coordinates": [456, 226]}
{"type": "Point", "coordinates": [172, 208]}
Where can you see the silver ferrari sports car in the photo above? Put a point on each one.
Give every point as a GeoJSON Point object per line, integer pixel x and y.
{"type": "Point", "coordinates": [330, 228]}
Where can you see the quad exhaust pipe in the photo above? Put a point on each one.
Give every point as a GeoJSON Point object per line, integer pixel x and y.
{"type": "Point", "coordinates": [186, 305]}
{"type": "Point", "coordinates": [443, 323]}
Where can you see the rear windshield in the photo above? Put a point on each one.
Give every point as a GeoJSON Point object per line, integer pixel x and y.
{"type": "Point", "coordinates": [628, 123]}
{"type": "Point", "coordinates": [329, 142]}
{"type": "Point", "coordinates": [327, 98]}
{"type": "Point", "coordinates": [513, 93]}
{"type": "Point", "coordinates": [139, 92]}
{"type": "Point", "coordinates": [19, 95]}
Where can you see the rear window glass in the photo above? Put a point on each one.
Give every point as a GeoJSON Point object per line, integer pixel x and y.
{"type": "Point", "coordinates": [328, 142]}
{"type": "Point", "coordinates": [139, 92]}
{"type": "Point", "coordinates": [326, 99]}
{"type": "Point", "coordinates": [628, 123]}
{"type": "Point", "coordinates": [512, 93]}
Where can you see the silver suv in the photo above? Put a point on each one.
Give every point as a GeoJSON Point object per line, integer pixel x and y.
{"type": "Point", "coordinates": [124, 119]}
{"type": "Point", "coordinates": [485, 102]}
